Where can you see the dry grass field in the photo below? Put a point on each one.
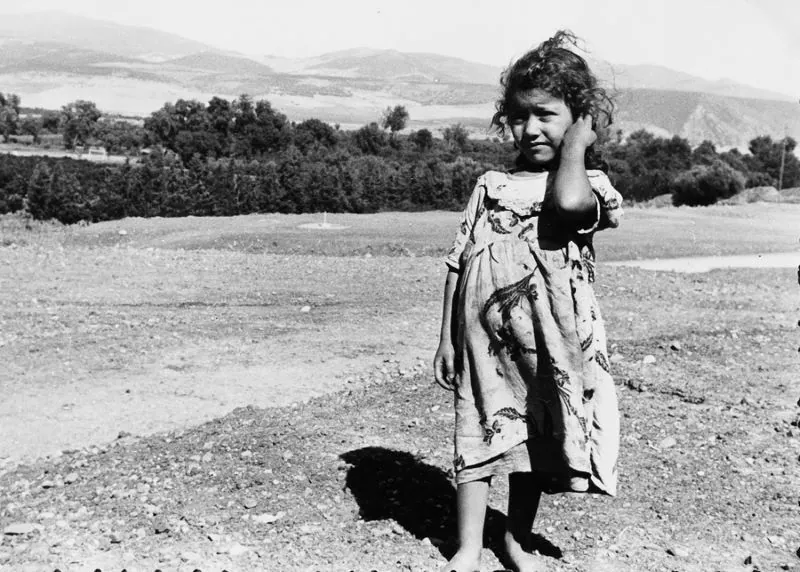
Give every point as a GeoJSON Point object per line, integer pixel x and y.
{"type": "Point", "coordinates": [246, 394]}
{"type": "Point", "coordinates": [648, 233]}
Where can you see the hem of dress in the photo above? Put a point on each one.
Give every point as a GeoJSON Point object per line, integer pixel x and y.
{"type": "Point", "coordinates": [569, 481]}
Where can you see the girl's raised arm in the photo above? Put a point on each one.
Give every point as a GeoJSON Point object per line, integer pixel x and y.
{"type": "Point", "coordinates": [572, 192]}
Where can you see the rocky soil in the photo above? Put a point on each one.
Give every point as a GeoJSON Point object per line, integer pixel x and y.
{"type": "Point", "coordinates": [359, 479]}
{"type": "Point", "coordinates": [125, 346]}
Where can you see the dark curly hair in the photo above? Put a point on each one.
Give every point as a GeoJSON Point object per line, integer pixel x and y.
{"type": "Point", "coordinates": [554, 68]}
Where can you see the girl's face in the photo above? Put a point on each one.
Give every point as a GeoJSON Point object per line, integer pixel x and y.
{"type": "Point", "coordinates": [538, 123]}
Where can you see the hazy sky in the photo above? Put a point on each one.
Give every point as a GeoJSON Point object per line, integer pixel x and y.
{"type": "Point", "coordinates": [750, 41]}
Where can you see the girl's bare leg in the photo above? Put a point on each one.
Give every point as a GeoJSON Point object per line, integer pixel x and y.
{"type": "Point", "coordinates": [471, 499]}
{"type": "Point", "coordinates": [523, 503]}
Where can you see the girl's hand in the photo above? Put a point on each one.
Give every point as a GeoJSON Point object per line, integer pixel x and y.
{"type": "Point", "coordinates": [444, 366]}
{"type": "Point", "coordinates": [580, 135]}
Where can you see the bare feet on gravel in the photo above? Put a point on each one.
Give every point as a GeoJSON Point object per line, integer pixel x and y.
{"type": "Point", "coordinates": [519, 559]}
{"type": "Point", "coordinates": [463, 561]}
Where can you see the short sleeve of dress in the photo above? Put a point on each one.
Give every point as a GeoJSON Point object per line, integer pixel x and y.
{"type": "Point", "coordinates": [468, 218]}
{"type": "Point", "coordinates": [609, 203]}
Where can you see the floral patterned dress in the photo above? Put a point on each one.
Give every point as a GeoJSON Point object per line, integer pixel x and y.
{"type": "Point", "coordinates": [533, 390]}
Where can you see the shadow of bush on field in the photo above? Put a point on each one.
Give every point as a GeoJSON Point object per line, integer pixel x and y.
{"type": "Point", "coordinates": [391, 484]}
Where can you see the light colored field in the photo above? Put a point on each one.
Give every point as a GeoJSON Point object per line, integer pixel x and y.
{"type": "Point", "coordinates": [111, 94]}
{"type": "Point", "coordinates": [118, 94]}
{"type": "Point", "coordinates": [645, 233]}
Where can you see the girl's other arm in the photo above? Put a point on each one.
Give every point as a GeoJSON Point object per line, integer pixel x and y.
{"type": "Point", "coordinates": [444, 361]}
{"type": "Point", "coordinates": [574, 199]}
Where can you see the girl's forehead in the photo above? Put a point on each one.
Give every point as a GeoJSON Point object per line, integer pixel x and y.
{"type": "Point", "coordinates": [535, 98]}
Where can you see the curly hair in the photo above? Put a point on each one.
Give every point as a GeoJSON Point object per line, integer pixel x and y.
{"type": "Point", "coordinates": [559, 71]}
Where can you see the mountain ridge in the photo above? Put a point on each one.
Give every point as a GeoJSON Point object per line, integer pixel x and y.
{"type": "Point", "coordinates": [135, 70]}
{"type": "Point", "coordinates": [99, 35]}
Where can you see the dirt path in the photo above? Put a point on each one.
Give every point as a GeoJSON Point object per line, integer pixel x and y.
{"type": "Point", "coordinates": [44, 420]}
{"type": "Point", "coordinates": [95, 342]}
{"type": "Point", "coordinates": [707, 263]}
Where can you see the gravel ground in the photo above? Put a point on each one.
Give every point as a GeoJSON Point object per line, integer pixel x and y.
{"type": "Point", "coordinates": [359, 479]}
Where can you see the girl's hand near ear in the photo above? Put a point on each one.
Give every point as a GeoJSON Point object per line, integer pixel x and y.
{"type": "Point", "coordinates": [579, 136]}
{"type": "Point", "coordinates": [573, 196]}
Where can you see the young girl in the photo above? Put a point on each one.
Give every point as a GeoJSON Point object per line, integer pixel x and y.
{"type": "Point", "coordinates": [522, 342]}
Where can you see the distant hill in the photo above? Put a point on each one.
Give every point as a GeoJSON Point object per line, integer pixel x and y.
{"type": "Point", "coordinates": [29, 56]}
{"type": "Point", "coordinates": [654, 77]}
{"type": "Point", "coordinates": [52, 58]}
{"type": "Point", "coordinates": [400, 66]}
{"type": "Point", "coordinates": [98, 35]}
{"type": "Point", "coordinates": [726, 121]}
{"type": "Point", "coordinates": [216, 62]}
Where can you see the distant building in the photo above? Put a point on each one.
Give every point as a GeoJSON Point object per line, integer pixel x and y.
{"type": "Point", "coordinates": [94, 153]}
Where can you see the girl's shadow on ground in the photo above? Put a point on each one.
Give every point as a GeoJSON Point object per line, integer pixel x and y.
{"type": "Point", "coordinates": [395, 485]}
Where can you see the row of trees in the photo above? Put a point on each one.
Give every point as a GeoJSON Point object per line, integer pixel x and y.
{"type": "Point", "coordinates": [241, 129]}
{"type": "Point", "coordinates": [78, 122]}
{"type": "Point", "coordinates": [12, 122]}
{"type": "Point", "coordinates": [244, 129]}
{"type": "Point", "coordinates": [320, 179]}
{"type": "Point", "coordinates": [240, 156]}
{"type": "Point", "coordinates": [70, 190]}
{"type": "Point", "coordinates": [644, 166]}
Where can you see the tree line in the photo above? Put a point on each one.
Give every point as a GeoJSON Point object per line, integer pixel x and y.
{"type": "Point", "coordinates": [644, 166]}
{"type": "Point", "coordinates": [73, 190]}
{"type": "Point", "coordinates": [243, 156]}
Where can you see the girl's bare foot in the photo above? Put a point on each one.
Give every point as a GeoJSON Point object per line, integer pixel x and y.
{"type": "Point", "coordinates": [523, 503]}
{"type": "Point", "coordinates": [519, 559]}
{"type": "Point", "coordinates": [463, 561]}
{"type": "Point", "coordinates": [471, 499]}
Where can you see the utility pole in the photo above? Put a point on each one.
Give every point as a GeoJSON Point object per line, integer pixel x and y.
{"type": "Point", "coordinates": [783, 161]}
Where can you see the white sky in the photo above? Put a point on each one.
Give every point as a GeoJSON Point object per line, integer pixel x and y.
{"type": "Point", "coordinates": [750, 41]}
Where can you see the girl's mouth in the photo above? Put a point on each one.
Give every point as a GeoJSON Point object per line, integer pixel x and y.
{"type": "Point", "coordinates": [536, 146]}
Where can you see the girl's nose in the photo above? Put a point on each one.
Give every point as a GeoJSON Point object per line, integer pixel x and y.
{"type": "Point", "coordinates": [533, 127]}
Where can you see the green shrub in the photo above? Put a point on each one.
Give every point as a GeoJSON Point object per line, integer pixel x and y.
{"type": "Point", "coordinates": [706, 184]}
{"type": "Point", "coordinates": [760, 180]}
